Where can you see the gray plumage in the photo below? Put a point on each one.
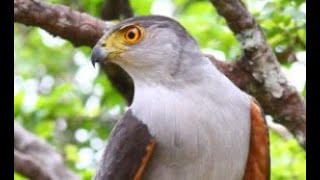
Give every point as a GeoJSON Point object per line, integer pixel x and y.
{"type": "Point", "coordinates": [199, 118]}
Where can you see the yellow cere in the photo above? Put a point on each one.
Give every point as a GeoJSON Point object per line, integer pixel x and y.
{"type": "Point", "coordinates": [119, 41]}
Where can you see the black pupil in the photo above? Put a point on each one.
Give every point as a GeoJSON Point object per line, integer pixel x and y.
{"type": "Point", "coordinates": [131, 35]}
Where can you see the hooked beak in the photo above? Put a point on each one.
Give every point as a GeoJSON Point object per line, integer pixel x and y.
{"type": "Point", "coordinates": [98, 55]}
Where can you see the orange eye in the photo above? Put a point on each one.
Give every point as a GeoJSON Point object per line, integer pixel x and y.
{"type": "Point", "coordinates": [133, 35]}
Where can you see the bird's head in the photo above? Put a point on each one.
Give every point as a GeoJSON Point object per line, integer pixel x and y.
{"type": "Point", "coordinates": [155, 48]}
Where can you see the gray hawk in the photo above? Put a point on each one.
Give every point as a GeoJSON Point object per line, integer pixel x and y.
{"type": "Point", "coordinates": [187, 120]}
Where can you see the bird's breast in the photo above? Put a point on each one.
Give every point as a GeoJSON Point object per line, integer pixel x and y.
{"type": "Point", "coordinates": [197, 137]}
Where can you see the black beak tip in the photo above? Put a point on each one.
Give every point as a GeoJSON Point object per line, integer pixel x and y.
{"type": "Point", "coordinates": [95, 56]}
{"type": "Point", "coordinates": [93, 62]}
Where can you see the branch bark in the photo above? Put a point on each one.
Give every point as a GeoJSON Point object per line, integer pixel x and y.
{"type": "Point", "coordinates": [116, 9]}
{"type": "Point", "coordinates": [27, 166]}
{"type": "Point", "coordinates": [256, 72]}
{"type": "Point", "coordinates": [36, 159]}
{"type": "Point", "coordinates": [79, 28]}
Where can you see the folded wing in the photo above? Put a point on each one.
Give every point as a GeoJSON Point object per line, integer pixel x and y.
{"type": "Point", "coordinates": [129, 149]}
{"type": "Point", "coordinates": [258, 164]}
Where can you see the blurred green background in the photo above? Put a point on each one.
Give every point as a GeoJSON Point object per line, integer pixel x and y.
{"type": "Point", "coordinates": [60, 97]}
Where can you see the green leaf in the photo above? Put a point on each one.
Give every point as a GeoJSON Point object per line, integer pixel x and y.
{"type": "Point", "coordinates": [18, 176]}
{"type": "Point", "coordinates": [71, 152]}
{"type": "Point", "coordinates": [45, 128]}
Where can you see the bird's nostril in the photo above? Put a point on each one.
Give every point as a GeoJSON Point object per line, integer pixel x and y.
{"type": "Point", "coordinates": [103, 44]}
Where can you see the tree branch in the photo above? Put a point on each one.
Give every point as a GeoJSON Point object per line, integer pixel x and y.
{"type": "Point", "coordinates": [116, 9]}
{"type": "Point", "coordinates": [36, 159]}
{"type": "Point", "coordinates": [257, 72]}
{"type": "Point", "coordinates": [78, 28]}
{"type": "Point", "coordinates": [27, 166]}
{"type": "Point", "coordinates": [268, 84]}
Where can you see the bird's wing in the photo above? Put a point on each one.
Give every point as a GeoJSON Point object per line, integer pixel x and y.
{"type": "Point", "coordinates": [258, 164]}
{"type": "Point", "coordinates": [128, 151]}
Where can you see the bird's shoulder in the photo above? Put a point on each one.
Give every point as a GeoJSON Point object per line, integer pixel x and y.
{"type": "Point", "coordinates": [129, 148]}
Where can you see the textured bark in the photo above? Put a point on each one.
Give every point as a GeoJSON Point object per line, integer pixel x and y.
{"type": "Point", "coordinates": [116, 9]}
{"type": "Point", "coordinates": [27, 166]}
{"type": "Point", "coordinates": [79, 28]}
{"type": "Point", "coordinates": [256, 72]}
{"type": "Point", "coordinates": [36, 159]}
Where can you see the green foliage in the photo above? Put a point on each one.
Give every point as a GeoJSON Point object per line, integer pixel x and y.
{"type": "Point", "coordinates": [18, 176]}
{"type": "Point", "coordinates": [304, 93]}
{"type": "Point", "coordinates": [141, 7]}
{"type": "Point", "coordinates": [202, 22]}
{"type": "Point", "coordinates": [60, 97]}
{"type": "Point", "coordinates": [54, 97]}
{"type": "Point", "coordinates": [286, 17]}
{"type": "Point", "coordinates": [288, 159]}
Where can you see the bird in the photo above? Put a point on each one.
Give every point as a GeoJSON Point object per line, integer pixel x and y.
{"type": "Point", "coordinates": [187, 120]}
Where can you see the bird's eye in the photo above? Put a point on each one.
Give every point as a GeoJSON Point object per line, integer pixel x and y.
{"type": "Point", "coordinates": [133, 35]}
